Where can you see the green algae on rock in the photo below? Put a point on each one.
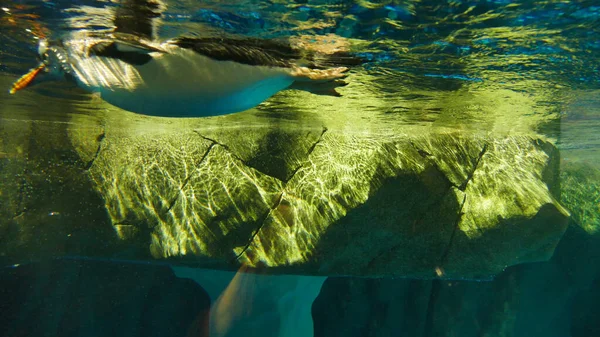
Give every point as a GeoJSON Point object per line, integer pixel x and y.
{"type": "Point", "coordinates": [49, 207]}
{"type": "Point", "coordinates": [285, 197]}
{"type": "Point", "coordinates": [408, 205]}
{"type": "Point", "coordinates": [580, 185]}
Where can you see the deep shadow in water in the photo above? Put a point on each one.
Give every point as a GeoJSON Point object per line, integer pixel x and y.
{"type": "Point", "coordinates": [91, 298]}
{"type": "Point", "coordinates": [553, 299]}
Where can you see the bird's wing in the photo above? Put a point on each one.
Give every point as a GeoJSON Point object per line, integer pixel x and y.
{"type": "Point", "coordinates": [138, 17]}
{"type": "Point", "coordinates": [249, 51]}
{"type": "Point", "coordinates": [131, 41]}
{"type": "Point", "coordinates": [261, 52]}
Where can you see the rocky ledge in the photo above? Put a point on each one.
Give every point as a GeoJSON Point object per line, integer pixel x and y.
{"type": "Point", "coordinates": [301, 201]}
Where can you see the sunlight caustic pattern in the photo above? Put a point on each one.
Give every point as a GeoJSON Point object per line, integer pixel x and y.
{"type": "Point", "coordinates": [349, 204]}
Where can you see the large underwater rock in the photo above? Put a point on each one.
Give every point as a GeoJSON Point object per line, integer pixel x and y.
{"type": "Point", "coordinates": [555, 298]}
{"type": "Point", "coordinates": [316, 202]}
{"type": "Point", "coordinates": [285, 198]}
{"type": "Point", "coordinates": [48, 206]}
{"type": "Point", "coordinates": [562, 293]}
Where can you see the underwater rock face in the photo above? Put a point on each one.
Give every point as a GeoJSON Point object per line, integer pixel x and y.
{"type": "Point", "coordinates": [562, 293]}
{"type": "Point", "coordinates": [48, 206]}
{"type": "Point", "coordinates": [431, 205]}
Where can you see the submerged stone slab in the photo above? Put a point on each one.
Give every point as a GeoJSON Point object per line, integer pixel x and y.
{"type": "Point", "coordinates": [48, 205]}
{"type": "Point", "coordinates": [286, 197]}
{"type": "Point", "coordinates": [429, 205]}
{"type": "Point", "coordinates": [181, 194]}
{"type": "Point", "coordinates": [290, 198]}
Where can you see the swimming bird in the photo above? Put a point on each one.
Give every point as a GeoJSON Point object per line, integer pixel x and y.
{"type": "Point", "coordinates": [186, 76]}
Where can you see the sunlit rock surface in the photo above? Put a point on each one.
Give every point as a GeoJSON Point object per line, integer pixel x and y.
{"type": "Point", "coordinates": [279, 195]}
{"type": "Point", "coordinates": [438, 204]}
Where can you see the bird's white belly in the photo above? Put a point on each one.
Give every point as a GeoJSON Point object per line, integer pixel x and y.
{"type": "Point", "coordinates": [181, 84]}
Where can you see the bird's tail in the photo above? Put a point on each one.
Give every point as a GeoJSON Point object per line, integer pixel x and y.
{"type": "Point", "coordinates": [327, 88]}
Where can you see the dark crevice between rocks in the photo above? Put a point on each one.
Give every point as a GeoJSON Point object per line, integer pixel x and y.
{"type": "Point", "coordinates": [421, 152]}
{"type": "Point", "coordinates": [187, 179]}
{"type": "Point", "coordinates": [310, 151]}
{"type": "Point", "coordinates": [463, 186]}
{"type": "Point", "coordinates": [459, 215]}
{"type": "Point", "coordinates": [434, 292]}
{"type": "Point", "coordinates": [215, 142]}
{"type": "Point", "coordinates": [456, 222]}
{"type": "Point", "coordinates": [100, 140]}
{"type": "Point", "coordinates": [428, 156]}
{"type": "Point", "coordinates": [265, 217]}
{"type": "Point", "coordinates": [260, 226]}
{"type": "Point", "coordinates": [246, 162]}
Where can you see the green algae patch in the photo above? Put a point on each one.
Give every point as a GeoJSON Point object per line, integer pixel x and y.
{"type": "Point", "coordinates": [580, 193]}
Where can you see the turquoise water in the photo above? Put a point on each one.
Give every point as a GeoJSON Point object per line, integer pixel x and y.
{"type": "Point", "coordinates": [451, 190]}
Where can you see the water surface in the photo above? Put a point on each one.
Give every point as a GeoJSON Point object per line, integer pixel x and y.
{"type": "Point", "coordinates": [485, 66]}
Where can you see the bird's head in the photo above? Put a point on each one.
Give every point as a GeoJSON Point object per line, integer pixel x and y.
{"type": "Point", "coordinates": [54, 65]}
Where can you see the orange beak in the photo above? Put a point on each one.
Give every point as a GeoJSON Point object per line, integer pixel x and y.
{"type": "Point", "coordinates": [26, 79]}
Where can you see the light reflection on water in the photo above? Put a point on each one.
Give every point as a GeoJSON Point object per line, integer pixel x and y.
{"type": "Point", "coordinates": [484, 66]}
